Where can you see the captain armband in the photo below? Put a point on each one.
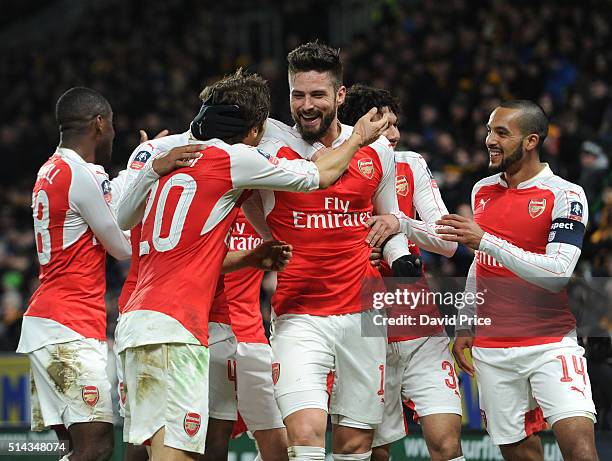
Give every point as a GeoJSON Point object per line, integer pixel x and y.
{"type": "Point", "coordinates": [564, 230]}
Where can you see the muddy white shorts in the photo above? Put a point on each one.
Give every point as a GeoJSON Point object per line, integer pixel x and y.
{"type": "Point", "coordinates": [421, 373]}
{"type": "Point", "coordinates": [307, 348]}
{"type": "Point", "coordinates": [519, 387]}
{"type": "Point", "coordinates": [70, 384]}
{"type": "Point", "coordinates": [166, 385]}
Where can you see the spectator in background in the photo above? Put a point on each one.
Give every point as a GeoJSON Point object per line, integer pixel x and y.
{"type": "Point", "coordinates": [594, 163]}
{"type": "Point", "coordinates": [11, 314]}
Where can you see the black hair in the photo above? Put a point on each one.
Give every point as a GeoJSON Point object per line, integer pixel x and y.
{"type": "Point", "coordinates": [361, 98]}
{"type": "Point", "coordinates": [78, 106]}
{"type": "Point", "coordinates": [533, 119]}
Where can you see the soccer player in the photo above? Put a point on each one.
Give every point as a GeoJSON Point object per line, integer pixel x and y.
{"type": "Point", "coordinates": [420, 369]}
{"type": "Point", "coordinates": [527, 232]}
{"type": "Point", "coordinates": [163, 332]}
{"type": "Point", "coordinates": [136, 161]}
{"type": "Point", "coordinates": [64, 328]}
{"type": "Point", "coordinates": [241, 360]}
{"type": "Point", "coordinates": [316, 333]}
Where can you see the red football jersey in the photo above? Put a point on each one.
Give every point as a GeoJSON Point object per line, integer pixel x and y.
{"type": "Point", "coordinates": [184, 229]}
{"type": "Point", "coordinates": [219, 311]}
{"type": "Point", "coordinates": [73, 224]}
{"type": "Point", "coordinates": [236, 301]}
{"type": "Point", "coordinates": [242, 288]}
{"type": "Point", "coordinates": [330, 263]}
{"type": "Point", "coordinates": [531, 245]}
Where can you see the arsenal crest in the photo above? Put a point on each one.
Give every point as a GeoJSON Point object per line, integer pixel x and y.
{"type": "Point", "coordinates": [401, 185]}
{"type": "Point", "coordinates": [275, 372]}
{"type": "Point", "coordinates": [366, 167]}
{"type": "Point", "coordinates": [90, 395]}
{"type": "Point", "coordinates": [191, 423]}
{"type": "Point", "coordinates": [536, 207]}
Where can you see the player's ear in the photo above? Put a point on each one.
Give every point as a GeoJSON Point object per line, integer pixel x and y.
{"type": "Point", "coordinates": [252, 137]}
{"type": "Point", "coordinates": [341, 94]}
{"type": "Point", "coordinates": [531, 142]}
{"type": "Point", "coordinates": [99, 123]}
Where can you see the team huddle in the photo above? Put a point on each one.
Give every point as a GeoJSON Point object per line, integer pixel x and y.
{"type": "Point", "coordinates": [331, 207]}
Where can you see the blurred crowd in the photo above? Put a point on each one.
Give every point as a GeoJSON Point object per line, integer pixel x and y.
{"type": "Point", "coordinates": [449, 63]}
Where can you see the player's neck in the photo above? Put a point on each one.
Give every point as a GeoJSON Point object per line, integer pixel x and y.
{"type": "Point", "coordinates": [525, 172]}
{"type": "Point", "coordinates": [331, 134]}
{"type": "Point", "coordinates": [81, 146]}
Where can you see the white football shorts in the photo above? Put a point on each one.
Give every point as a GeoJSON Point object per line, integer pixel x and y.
{"type": "Point", "coordinates": [520, 386]}
{"type": "Point", "coordinates": [241, 380]}
{"type": "Point", "coordinates": [166, 386]}
{"type": "Point", "coordinates": [120, 386]}
{"type": "Point", "coordinates": [70, 384]}
{"type": "Point", "coordinates": [256, 402]}
{"type": "Point", "coordinates": [420, 372]}
{"type": "Point", "coordinates": [222, 378]}
{"type": "Point", "coordinates": [307, 348]}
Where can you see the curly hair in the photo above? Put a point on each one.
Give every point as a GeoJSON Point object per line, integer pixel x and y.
{"type": "Point", "coordinates": [361, 98]}
{"type": "Point", "coordinates": [249, 92]}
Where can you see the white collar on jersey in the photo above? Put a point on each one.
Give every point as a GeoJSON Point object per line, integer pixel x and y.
{"type": "Point", "coordinates": [71, 154]}
{"type": "Point", "coordinates": [545, 173]}
{"type": "Point", "coordinates": [345, 133]}
{"type": "Point", "coordinates": [191, 139]}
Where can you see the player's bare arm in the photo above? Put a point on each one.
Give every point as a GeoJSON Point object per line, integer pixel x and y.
{"type": "Point", "coordinates": [272, 255]}
{"type": "Point", "coordinates": [461, 230]}
{"type": "Point", "coordinates": [365, 132]}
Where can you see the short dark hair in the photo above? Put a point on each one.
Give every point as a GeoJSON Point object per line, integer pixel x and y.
{"type": "Point", "coordinates": [361, 98]}
{"type": "Point", "coordinates": [533, 119]}
{"type": "Point", "coordinates": [249, 92]}
{"type": "Point", "coordinates": [78, 106]}
{"type": "Point", "coordinates": [318, 57]}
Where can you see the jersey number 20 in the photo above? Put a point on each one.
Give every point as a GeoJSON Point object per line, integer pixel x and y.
{"type": "Point", "coordinates": [188, 187]}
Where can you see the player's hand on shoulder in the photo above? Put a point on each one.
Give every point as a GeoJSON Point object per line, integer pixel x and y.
{"type": "Point", "coordinates": [144, 137]}
{"type": "Point", "coordinates": [176, 158]}
{"type": "Point", "coordinates": [456, 228]}
{"type": "Point", "coordinates": [369, 127]}
{"type": "Point", "coordinates": [381, 228]}
{"type": "Point", "coordinates": [463, 340]}
{"type": "Point", "coordinates": [272, 255]}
